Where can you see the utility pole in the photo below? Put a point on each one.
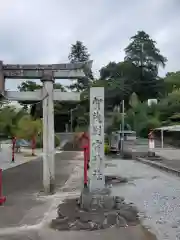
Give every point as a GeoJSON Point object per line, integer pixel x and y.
{"type": "Point", "coordinates": [71, 111]}
{"type": "Point", "coordinates": [122, 122]}
{"type": "Point", "coordinates": [141, 61]}
{"type": "Point", "coordinates": [122, 128]}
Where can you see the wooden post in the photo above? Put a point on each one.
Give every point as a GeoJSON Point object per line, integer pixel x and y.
{"type": "Point", "coordinates": [33, 145]}
{"type": "Point", "coordinates": [13, 148]}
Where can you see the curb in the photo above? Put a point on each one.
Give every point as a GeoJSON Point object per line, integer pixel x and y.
{"type": "Point", "coordinates": [159, 166]}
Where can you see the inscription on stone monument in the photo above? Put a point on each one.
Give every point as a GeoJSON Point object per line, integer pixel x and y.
{"type": "Point", "coordinates": [97, 138]}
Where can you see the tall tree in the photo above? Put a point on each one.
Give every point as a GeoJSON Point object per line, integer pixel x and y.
{"type": "Point", "coordinates": [79, 53]}
{"type": "Point", "coordinates": [143, 53]}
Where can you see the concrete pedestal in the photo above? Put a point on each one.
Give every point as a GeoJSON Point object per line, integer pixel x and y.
{"type": "Point", "coordinates": [151, 153]}
{"type": "Point", "coordinates": [100, 200]}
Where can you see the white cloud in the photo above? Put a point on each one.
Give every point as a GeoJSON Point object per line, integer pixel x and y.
{"type": "Point", "coordinates": [42, 31]}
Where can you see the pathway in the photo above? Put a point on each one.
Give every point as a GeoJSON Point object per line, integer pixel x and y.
{"type": "Point", "coordinates": [155, 193]}
{"type": "Point", "coordinates": [27, 207]}
{"type": "Point", "coordinates": [25, 204]}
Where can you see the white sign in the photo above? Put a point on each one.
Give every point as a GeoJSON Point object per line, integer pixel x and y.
{"type": "Point", "coordinates": [152, 101]}
{"type": "Point", "coordinates": [97, 180]}
{"type": "Point", "coordinates": [151, 144]}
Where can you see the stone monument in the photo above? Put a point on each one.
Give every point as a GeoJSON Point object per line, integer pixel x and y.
{"type": "Point", "coordinates": [96, 176]}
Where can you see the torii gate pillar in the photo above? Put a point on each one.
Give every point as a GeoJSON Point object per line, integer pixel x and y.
{"type": "Point", "coordinates": [48, 135]}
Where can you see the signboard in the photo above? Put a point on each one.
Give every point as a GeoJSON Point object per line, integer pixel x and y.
{"type": "Point", "coordinates": [152, 101]}
{"type": "Point", "coordinates": [97, 181]}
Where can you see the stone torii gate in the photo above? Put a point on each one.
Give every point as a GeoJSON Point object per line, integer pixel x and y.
{"type": "Point", "coordinates": [47, 74]}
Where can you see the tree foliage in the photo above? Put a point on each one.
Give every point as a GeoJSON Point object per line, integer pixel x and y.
{"type": "Point", "coordinates": [138, 73]}
{"type": "Point", "coordinates": [9, 118]}
{"type": "Point", "coordinates": [142, 51]}
{"type": "Point", "coordinates": [25, 87]}
{"type": "Point", "coordinates": [134, 80]}
{"type": "Point", "coordinates": [27, 128]}
{"type": "Point", "coordinates": [172, 81]}
{"type": "Point", "coordinates": [79, 53]}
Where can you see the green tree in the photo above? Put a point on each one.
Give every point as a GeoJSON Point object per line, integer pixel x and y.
{"type": "Point", "coordinates": [79, 53]}
{"type": "Point", "coordinates": [169, 107]}
{"type": "Point", "coordinates": [142, 118]}
{"type": "Point", "coordinates": [27, 128]}
{"type": "Point", "coordinates": [172, 81]}
{"type": "Point", "coordinates": [36, 108]}
{"type": "Point", "coordinates": [29, 86]}
{"type": "Point", "coordinates": [143, 53]}
{"type": "Point", "coordinates": [25, 87]}
{"type": "Point", "coordinates": [9, 117]}
{"type": "Point", "coordinates": [119, 79]}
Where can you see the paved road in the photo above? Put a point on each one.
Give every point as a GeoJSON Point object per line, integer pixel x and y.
{"type": "Point", "coordinates": [22, 185]}
{"type": "Point", "coordinates": [20, 158]}
{"type": "Point", "coordinates": [169, 156]}
{"type": "Point", "coordinates": [155, 193]}
{"type": "Point", "coordinates": [75, 183]}
{"type": "Point", "coordinates": [130, 233]}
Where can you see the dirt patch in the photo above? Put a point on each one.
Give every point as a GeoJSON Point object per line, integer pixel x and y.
{"type": "Point", "coordinates": [115, 180]}
{"type": "Point", "coordinates": [72, 217]}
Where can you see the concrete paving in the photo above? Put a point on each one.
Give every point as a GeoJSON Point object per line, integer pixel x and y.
{"type": "Point", "coordinates": [26, 215]}
{"type": "Point", "coordinates": [20, 158]}
{"type": "Point", "coordinates": [155, 193]}
{"type": "Point", "coordinates": [169, 156]}
{"type": "Point", "coordinates": [22, 186]}
{"type": "Point", "coordinates": [129, 233]}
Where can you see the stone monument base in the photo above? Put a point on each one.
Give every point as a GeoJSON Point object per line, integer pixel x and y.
{"type": "Point", "coordinates": [97, 200]}
{"type": "Point", "coordinates": [151, 153]}
{"type": "Point", "coordinates": [93, 211]}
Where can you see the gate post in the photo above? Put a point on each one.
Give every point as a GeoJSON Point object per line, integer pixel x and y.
{"type": "Point", "coordinates": [48, 135]}
{"type": "Point", "coordinates": [85, 166]}
{"type": "Point", "coordinates": [2, 198]}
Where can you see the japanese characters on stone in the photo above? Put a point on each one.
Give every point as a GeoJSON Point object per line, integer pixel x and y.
{"type": "Point", "coordinates": [97, 180]}
{"type": "Point", "coordinates": [97, 131]}
{"type": "Point", "coordinates": [97, 117]}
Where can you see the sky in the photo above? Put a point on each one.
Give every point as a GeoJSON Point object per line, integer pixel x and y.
{"type": "Point", "coordinates": [42, 31]}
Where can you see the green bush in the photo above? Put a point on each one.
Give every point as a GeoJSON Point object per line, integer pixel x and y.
{"type": "Point", "coordinates": [106, 148]}
{"type": "Point", "coordinates": [39, 142]}
{"type": "Point", "coordinates": [148, 125]}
